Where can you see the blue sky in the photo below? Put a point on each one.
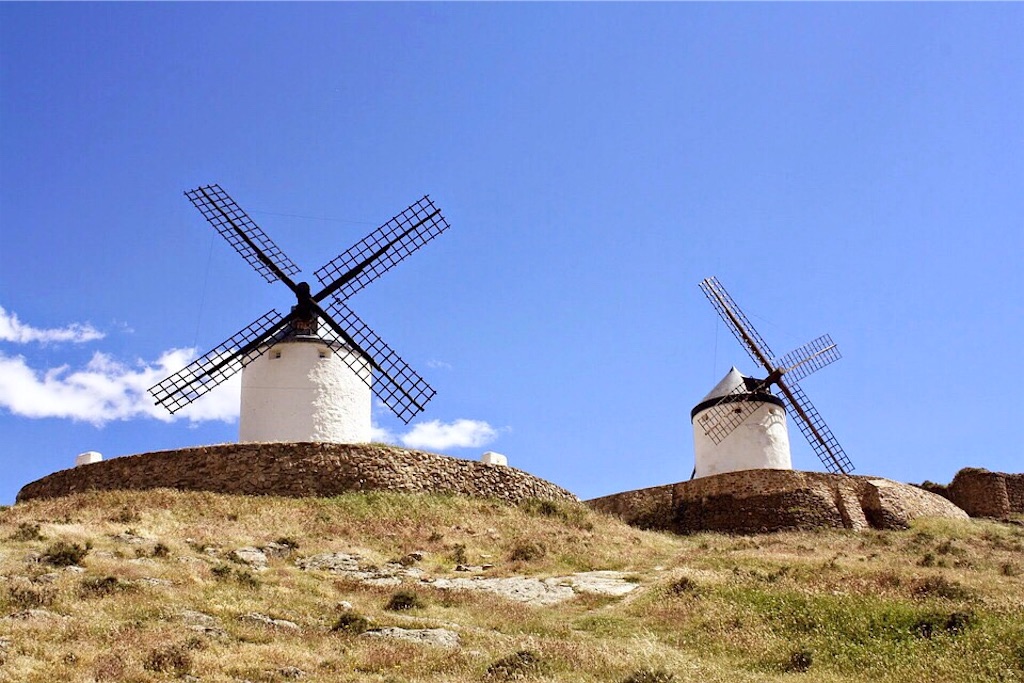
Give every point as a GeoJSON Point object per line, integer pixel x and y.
{"type": "Point", "coordinates": [854, 169]}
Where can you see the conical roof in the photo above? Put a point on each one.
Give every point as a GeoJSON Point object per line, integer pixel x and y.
{"type": "Point", "coordinates": [726, 385]}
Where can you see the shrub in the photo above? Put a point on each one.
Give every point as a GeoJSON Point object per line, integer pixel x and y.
{"type": "Point", "coordinates": [515, 666]}
{"type": "Point", "coordinates": [30, 596]}
{"type": "Point", "coordinates": [102, 586]}
{"type": "Point", "coordinates": [527, 551]}
{"type": "Point", "coordinates": [800, 660]}
{"type": "Point", "coordinates": [404, 600]}
{"type": "Point", "coordinates": [682, 586]}
{"type": "Point", "coordinates": [26, 532]}
{"type": "Point", "coordinates": [173, 659]}
{"type": "Point", "coordinates": [649, 676]}
{"type": "Point", "coordinates": [160, 550]}
{"type": "Point", "coordinates": [351, 623]}
{"type": "Point", "coordinates": [63, 554]}
{"type": "Point", "coordinates": [458, 554]}
{"type": "Point", "coordinates": [940, 587]}
{"type": "Point", "coordinates": [288, 542]}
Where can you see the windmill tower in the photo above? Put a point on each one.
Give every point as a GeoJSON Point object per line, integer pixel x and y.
{"type": "Point", "coordinates": [307, 375]}
{"type": "Point", "coordinates": [741, 409]}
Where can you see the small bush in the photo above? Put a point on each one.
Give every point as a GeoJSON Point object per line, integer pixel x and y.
{"type": "Point", "coordinates": [223, 572]}
{"type": "Point", "coordinates": [940, 587]}
{"type": "Point", "coordinates": [30, 596]}
{"type": "Point", "coordinates": [649, 676]}
{"type": "Point", "coordinates": [351, 623]}
{"type": "Point", "coordinates": [527, 551]}
{"type": "Point", "coordinates": [160, 550]}
{"type": "Point", "coordinates": [800, 660]}
{"type": "Point", "coordinates": [1009, 569]}
{"type": "Point", "coordinates": [684, 585]}
{"type": "Point", "coordinates": [126, 516]}
{"type": "Point", "coordinates": [63, 554]}
{"type": "Point", "coordinates": [173, 659]}
{"type": "Point", "coordinates": [404, 600]}
{"type": "Point", "coordinates": [26, 532]}
{"type": "Point", "coordinates": [515, 666]}
{"type": "Point", "coordinates": [102, 586]}
{"type": "Point", "coordinates": [458, 554]}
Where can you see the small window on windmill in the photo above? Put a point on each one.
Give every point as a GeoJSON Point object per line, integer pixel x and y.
{"type": "Point", "coordinates": [323, 353]}
{"type": "Point", "coordinates": [275, 355]}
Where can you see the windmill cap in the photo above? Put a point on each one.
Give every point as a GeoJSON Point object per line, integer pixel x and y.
{"type": "Point", "coordinates": [725, 387]}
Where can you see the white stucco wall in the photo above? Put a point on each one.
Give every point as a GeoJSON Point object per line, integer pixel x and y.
{"type": "Point", "coordinates": [760, 442]}
{"type": "Point", "coordinates": [303, 390]}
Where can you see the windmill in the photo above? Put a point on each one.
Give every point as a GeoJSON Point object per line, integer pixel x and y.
{"type": "Point", "coordinates": [322, 320]}
{"type": "Point", "coordinates": [737, 403]}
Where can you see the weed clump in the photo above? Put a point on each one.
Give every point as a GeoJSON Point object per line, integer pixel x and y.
{"type": "Point", "coordinates": [99, 587]}
{"type": "Point", "coordinates": [351, 623]}
{"type": "Point", "coordinates": [940, 587]}
{"type": "Point", "coordinates": [24, 595]}
{"type": "Point", "coordinates": [404, 600]}
{"type": "Point", "coordinates": [173, 659]}
{"type": "Point", "coordinates": [515, 666]}
{"type": "Point", "coordinates": [224, 572]}
{"type": "Point", "coordinates": [800, 660]}
{"type": "Point", "coordinates": [527, 551]}
{"type": "Point", "coordinates": [64, 554]}
{"type": "Point", "coordinates": [574, 515]}
{"type": "Point", "coordinates": [684, 585]}
{"type": "Point", "coordinates": [26, 532]}
{"type": "Point", "coordinates": [650, 676]}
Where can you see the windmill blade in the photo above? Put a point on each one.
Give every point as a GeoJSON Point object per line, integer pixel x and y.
{"type": "Point", "coordinates": [809, 358]}
{"type": "Point", "coordinates": [401, 389]}
{"type": "Point", "coordinates": [814, 429]}
{"type": "Point", "coordinates": [242, 233]}
{"type": "Point", "coordinates": [722, 418]}
{"type": "Point", "coordinates": [206, 372]}
{"type": "Point", "coordinates": [737, 322]}
{"type": "Point", "coordinates": [381, 250]}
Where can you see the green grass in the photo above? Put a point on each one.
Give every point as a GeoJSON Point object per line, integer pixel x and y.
{"type": "Point", "coordinates": [808, 606]}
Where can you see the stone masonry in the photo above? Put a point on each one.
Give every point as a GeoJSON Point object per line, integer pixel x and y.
{"type": "Point", "coordinates": [298, 469]}
{"type": "Point", "coordinates": [984, 494]}
{"type": "Point", "coordinates": [754, 501]}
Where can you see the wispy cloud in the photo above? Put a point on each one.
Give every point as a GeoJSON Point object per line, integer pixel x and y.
{"type": "Point", "coordinates": [13, 330]}
{"type": "Point", "coordinates": [106, 390]}
{"type": "Point", "coordinates": [437, 435]}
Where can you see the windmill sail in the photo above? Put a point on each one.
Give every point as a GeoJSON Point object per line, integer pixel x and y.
{"type": "Point", "coordinates": [725, 416]}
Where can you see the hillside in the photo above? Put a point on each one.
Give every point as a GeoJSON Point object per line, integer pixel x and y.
{"type": "Point", "coordinates": [163, 585]}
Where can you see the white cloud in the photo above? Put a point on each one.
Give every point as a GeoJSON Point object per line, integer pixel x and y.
{"type": "Point", "coordinates": [13, 330]}
{"type": "Point", "coordinates": [106, 390]}
{"type": "Point", "coordinates": [437, 435]}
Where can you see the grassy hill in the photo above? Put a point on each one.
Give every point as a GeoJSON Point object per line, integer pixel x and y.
{"type": "Point", "coordinates": [148, 586]}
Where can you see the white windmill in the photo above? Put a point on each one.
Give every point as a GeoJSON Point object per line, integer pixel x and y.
{"type": "Point", "coordinates": [741, 424]}
{"type": "Point", "coordinates": [308, 374]}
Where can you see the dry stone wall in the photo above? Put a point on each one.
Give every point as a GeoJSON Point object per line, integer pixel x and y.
{"type": "Point", "coordinates": [298, 469]}
{"type": "Point", "coordinates": [984, 494]}
{"type": "Point", "coordinates": [754, 501]}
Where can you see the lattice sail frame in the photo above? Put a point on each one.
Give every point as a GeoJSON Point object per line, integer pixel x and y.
{"type": "Point", "coordinates": [729, 412]}
{"type": "Point", "coordinates": [392, 380]}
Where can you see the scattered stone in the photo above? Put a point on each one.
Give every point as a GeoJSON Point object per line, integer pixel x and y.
{"type": "Point", "coordinates": [130, 537]}
{"type": "Point", "coordinates": [75, 569]}
{"type": "Point", "coordinates": [33, 557]}
{"type": "Point", "coordinates": [257, 618]}
{"type": "Point", "coordinates": [252, 557]}
{"type": "Point", "coordinates": [348, 566]}
{"type": "Point", "coordinates": [5, 643]}
{"type": "Point", "coordinates": [204, 624]}
{"type": "Point", "coordinates": [153, 581]}
{"type": "Point", "coordinates": [275, 549]}
{"type": "Point", "coordinates": [48, 577]}
{"type": "Point", "coordinates": [344, 605]}
{"type": "Point", "coordinates": [412, 558]}
{"type": "Point", "coordinates": [291, 672]}
{"type": "Point", "coordinates": [431, 636]}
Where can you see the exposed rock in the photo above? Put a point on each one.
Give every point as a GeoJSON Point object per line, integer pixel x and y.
{"type": "Point", "coordinates": [252, 557]}
{"type": "Point", "coordinates": [349, 566]}
{"type": "Point", "coordinates": [275, 549]}
{"type": "Point", "coordinates": [203, 623]}
{"type": "Point", "coordinates": [263, 619]}
{"type": "Point", "coordinates": [292, 672]}
{"type": "Point", "coordinates": [35, 614]}
{"type": "Point", "coordinates": [432, 636]}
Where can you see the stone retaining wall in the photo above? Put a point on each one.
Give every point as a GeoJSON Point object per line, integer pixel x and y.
{"type": "Point", "coordinates": [984, 494]}
{"type": "Point", "coordinates": [754, 501]}
{"type": "Point", "coordinates": [298, 469]}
